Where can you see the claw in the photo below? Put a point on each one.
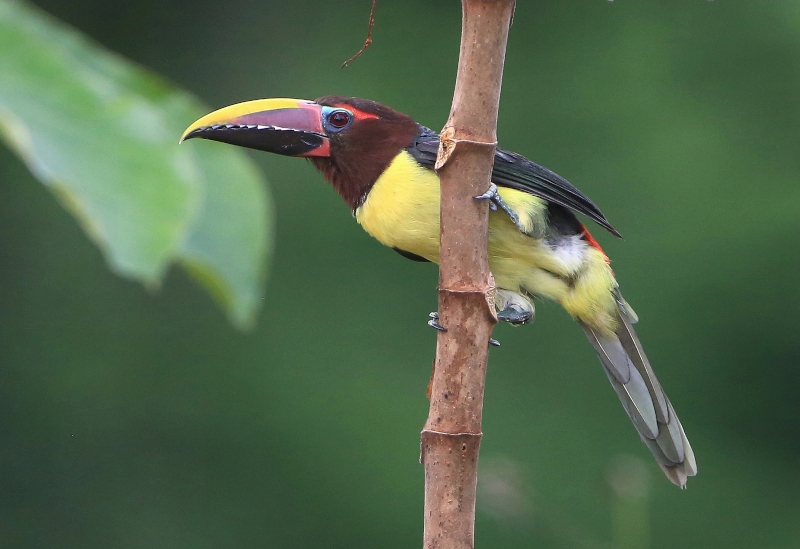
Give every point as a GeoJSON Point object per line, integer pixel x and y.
{"type": "Point", "coordinates": [513, 307]}
{"type": "Point", "coordinates": [514, 316]}
{"type": "Point", "coordinates": [495, 201]}
{"type": "Point", "coordinates": [434, 322]}
{"type": "Point", "coordinates": [490, 194]}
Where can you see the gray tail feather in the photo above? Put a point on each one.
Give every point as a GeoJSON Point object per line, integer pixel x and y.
{"type": "Point", "coordinates": [629, 371]}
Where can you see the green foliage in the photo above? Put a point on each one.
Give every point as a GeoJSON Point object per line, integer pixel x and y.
{"type": "Point", "coordinates": [102, 134]}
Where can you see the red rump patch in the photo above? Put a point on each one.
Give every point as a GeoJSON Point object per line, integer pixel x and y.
{"type": "Point", "coordinates": [592, 242]}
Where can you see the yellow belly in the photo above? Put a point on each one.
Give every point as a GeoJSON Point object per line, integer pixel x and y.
{"type": "Point", "coordinates": [402, 211]}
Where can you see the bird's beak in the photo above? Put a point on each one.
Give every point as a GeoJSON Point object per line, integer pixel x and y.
{"type": "Point", "coordinates": [292, 127]}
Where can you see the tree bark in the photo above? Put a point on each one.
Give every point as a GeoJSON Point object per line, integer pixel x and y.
{"type": "Point", "coordinates": [452, 434]}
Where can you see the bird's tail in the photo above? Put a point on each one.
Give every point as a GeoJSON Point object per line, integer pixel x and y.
{"type": "Point", "coordinates": [641, 394]}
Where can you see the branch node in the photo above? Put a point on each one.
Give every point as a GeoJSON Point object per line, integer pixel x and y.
{"type": "Point", "coordinates": [448, 435]}
{"type": "Point", "coordinates": [467, 291]}
{"type": "Point", "coordinates": [428, 435]}
{"type": "Point", "coordinates": [448, 142]}
{"type": "Point", "coordinates": [487, 292]}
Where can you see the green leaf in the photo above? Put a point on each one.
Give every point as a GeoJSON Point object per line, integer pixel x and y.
{"type": "Point", "coordinates": [103, 134]}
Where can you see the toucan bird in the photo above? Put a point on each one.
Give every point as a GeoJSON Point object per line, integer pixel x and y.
{"type": "Point", "coordinates": [381, 163]}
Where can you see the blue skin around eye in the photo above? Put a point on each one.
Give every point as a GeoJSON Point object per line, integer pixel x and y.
{"type": "Point", "coordinates": [326, 115]}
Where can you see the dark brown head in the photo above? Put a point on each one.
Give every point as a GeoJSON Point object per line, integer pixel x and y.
{"type": "Point", "coordinates": [350, 140]}
{"type": "Point", "coordinates": [364, 146]}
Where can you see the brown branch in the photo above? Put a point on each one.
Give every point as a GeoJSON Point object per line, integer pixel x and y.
{"type": "Point", "coordinates": [452, 434]}
{"type": "Point", "coordinates": [368, 41]}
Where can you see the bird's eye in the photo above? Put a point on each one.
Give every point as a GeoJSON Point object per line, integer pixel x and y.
{"type": "Point", "coordinates": [339, 120]}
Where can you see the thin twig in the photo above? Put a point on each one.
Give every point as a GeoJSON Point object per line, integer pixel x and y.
{"type": "Point", "coordinates": [368, 41]}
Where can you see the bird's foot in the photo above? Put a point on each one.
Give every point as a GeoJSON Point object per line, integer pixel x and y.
{"type": "Point", "coordinates": [434, 322]}
{"type": "Point", "coordinates": [513, 308]}
{"type": "Point", "coordinates": [514, 316]}
{"type": "Point", "coordinates": [495, 201]}
{"type": "Point", "coordinates": [491, 194]}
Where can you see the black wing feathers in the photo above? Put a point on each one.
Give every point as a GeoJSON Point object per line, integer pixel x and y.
{"type": "Point", "coordinates": [517, 172]}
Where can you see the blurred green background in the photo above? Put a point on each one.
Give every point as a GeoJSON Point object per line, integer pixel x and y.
{"type": "Point", "coordinates": [133, 418]}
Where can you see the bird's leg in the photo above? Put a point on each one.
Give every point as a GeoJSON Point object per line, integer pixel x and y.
{"type": "Point", "coordinates": [513, 308]}
{"type": "Point", "coordinates": [495, 200]}
{"type": "Point", "coordinates": [434, 323]}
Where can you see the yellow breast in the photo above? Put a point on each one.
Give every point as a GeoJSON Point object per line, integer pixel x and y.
{"type": "Point", "coordinates": [402, 209]}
